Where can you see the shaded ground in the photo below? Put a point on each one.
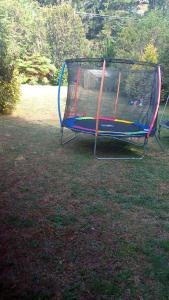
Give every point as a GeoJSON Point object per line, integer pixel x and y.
{"type": "Point", "coordinates": [73, 227]}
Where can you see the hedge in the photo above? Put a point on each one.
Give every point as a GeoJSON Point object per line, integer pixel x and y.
{"type": "Point", "coordinates": [9, 93]}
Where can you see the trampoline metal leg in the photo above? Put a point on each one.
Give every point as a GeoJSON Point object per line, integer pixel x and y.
{"type": "Point", "coordinates": [158, 141]}
{"type": "Point", "coordinates": [159, 132]}
{"type": "Point", "coordinates": [95, 146]}
{"type": "Point", "coordinates": [68, 140]}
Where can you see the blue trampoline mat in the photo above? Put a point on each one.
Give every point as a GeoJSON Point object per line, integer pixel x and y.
{"type": "Point", "coordinates": [106, 126]}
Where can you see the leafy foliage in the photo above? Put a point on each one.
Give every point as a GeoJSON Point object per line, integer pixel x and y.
{"type": "Point", "coordinates": [165, 68]}
{"type": "Point", "coordinates": [26, 31]}
{"type": "Point", "coordinates": [150, 54]}
{"type": "Point", "coordinates": [153, 28]}
{"type": "Point", "coordinates": [65, 33]}
{"type": "Point", "coordinates": [9, 92]}
{"type": "Point", "coordinates": [147, 39]}
{"type": "Point", "coordinates": [160, 4]}
{"type": "Point", "coordinates": [36, 69]}
{"type": "Point", "coordinates": [135, 83]}
{"type": "Point", "coordinates": [9, 84]}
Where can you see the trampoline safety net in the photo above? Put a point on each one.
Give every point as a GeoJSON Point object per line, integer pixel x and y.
{"type": "Point", "coordinates": [112, 97]}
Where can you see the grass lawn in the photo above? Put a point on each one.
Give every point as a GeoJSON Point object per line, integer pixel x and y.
{"type": "Point", "coordinates": [72, 227]}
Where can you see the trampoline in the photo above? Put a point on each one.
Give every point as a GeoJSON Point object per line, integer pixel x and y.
{"type": "Point", "coordinates": [111, 98]}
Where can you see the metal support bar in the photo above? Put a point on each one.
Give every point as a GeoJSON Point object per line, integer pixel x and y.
{"type": "Point", "coordinates": [69, 139]}
{"type": "Point", "coordinates": [161, 122]}
{"type": "Point", "coordinates": [157, 138]}
{"type": "Point", "coordinates": [159, 131]}
{"type": "Point", "coordinates": [121, 158]}
{"type": "Point", "coordinates": [164, 110]}
{"type": "Point", "coordinates": [128, 141]}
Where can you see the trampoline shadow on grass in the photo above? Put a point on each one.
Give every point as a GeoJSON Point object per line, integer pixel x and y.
{"type": "Point", "coordinates": [106, 146]}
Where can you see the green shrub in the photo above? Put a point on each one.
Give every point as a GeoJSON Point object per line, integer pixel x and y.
{"type": "Point", "coordinates": [9, 92]}
{"type": "Point", "coordinates": [36, 69]}
{"type": "Point", "coordinates": [64, 79]}
{"type": "Point", "coordinates": [150, 54]}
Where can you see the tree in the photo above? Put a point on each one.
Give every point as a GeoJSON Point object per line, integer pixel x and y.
{"type": "Point", "coordinates": [26, 26]}
{"type": "Point", "coordinates": [65, 33]}
{"type": "Point", "coordinates": [152, 28]}
{"type": "Point", "coordinates": [147, 39]}
{"type": "Point", "coordinates": [51, 2]}
{"type": "Point", "coordinates": [163, 59]}
{"type": "Point", "coordinates": [159, 4]}
{"type": "Point", "coordinates": [150, 54]}
{"type": "Point", "coordinates": [9, 84]}
{"type": "Point", "coordinates": [138, 84]}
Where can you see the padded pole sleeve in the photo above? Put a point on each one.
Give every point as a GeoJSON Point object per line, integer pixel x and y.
{"type": "Point", "coordinates": [75, 104]}
{"type": "Point", "coordinates": [100, 97]}
{"type": "Point", "coordinates": [158, 102]}
{"type": "Point", "coordinates": [59, 90]}
{"type": "Point", "coordinates": [117, 94]}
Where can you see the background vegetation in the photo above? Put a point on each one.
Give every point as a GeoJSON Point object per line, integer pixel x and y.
{"type": "Point", "coordinates": [51, 30]}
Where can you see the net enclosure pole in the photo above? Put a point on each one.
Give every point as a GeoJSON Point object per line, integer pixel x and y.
{"type": "Point", "coordinates": [76, 91]}
{"type": "Point", "coordinates": [158, 101]}
{"type": "Point", "coordinates": [59, 90]}
{"type": "Point", "coordinates": [117, 94]}
{"type": "Point", "coordinates": [100, 97]}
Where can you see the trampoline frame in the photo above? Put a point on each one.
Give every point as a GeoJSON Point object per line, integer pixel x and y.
{"type": "Point", "coordinates": [118, 138]}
